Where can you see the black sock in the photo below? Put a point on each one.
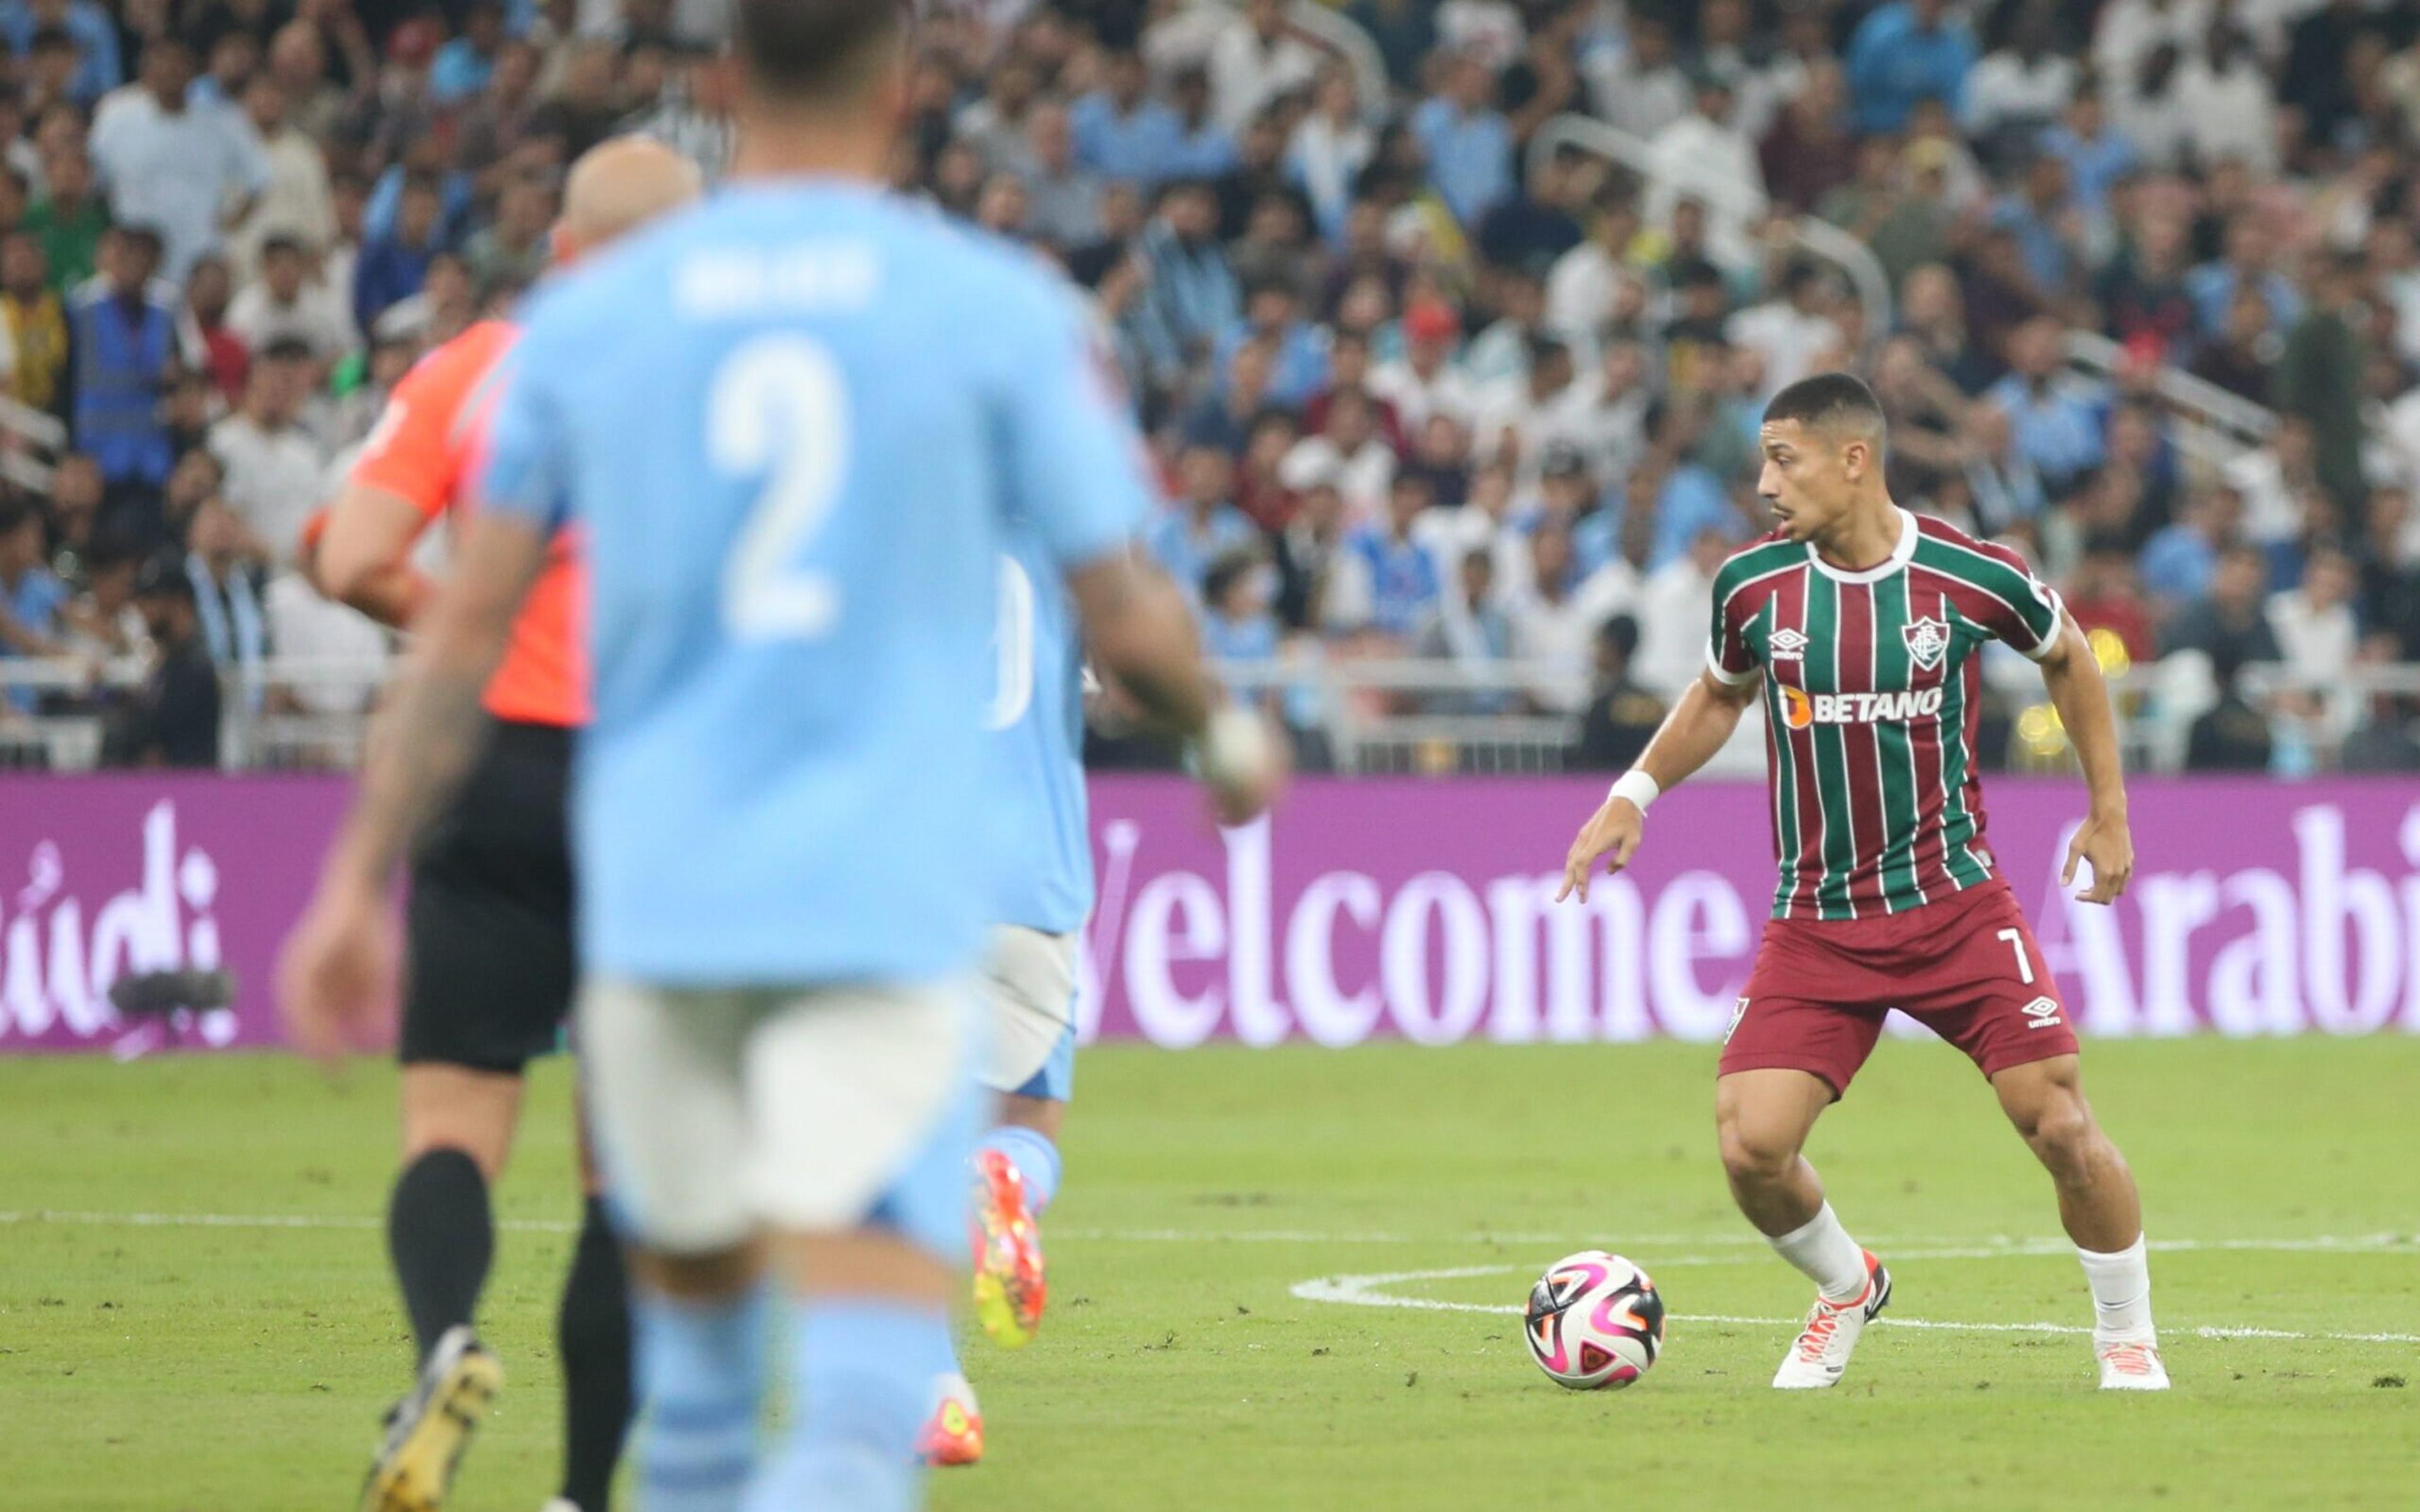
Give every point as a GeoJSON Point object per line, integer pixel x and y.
{"type": "Point", "coordinates": [440, 1237]}
{"type": "Point", "coordinates": [594, 1334]}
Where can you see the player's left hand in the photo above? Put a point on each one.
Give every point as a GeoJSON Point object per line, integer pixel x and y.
{"type": "Point", "coordinates": [337, 970]}
{"type": "Point", "coordinates": [2105, 842]}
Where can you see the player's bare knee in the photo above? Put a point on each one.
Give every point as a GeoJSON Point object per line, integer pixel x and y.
{"type": "Point", "coordinates": [2063, 1137]}
{"type": "Point", "coordinates": [1756, 1153]}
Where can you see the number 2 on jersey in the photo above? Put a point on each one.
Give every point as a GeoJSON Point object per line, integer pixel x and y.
{"type": "Point", "coordinates": [779, 409]}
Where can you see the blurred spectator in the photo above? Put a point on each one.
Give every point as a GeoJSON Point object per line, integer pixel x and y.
{"type": "Point", "coordinates": [1704, 157]}
{"type": "Point", "coordinates": [296, 200]}
{"type": "Point", "coordinates": [2387, 739]}
{"type": "Point", "coordinates": [2144, 302]}
{"type": "Point", "coordinates": [1593, 284]}
{"type": "Point", "coordinates": [1622, 717]}
{"type": "Point", "coordinates": [2390, 575]}
{"type": "Point", "coordinates": [2276, 480]}
{"type": "Point", "coordinates": [272, 464]}
{"type": "Point", "coordinates": [1204, 147]}
{"type": "Point", "coordinates": [394, 267]}
{"type": "Point", "coordinates": [31, 595]}
{"type": "Point", "coordinates": [2178, 561]}
{"type": "Point", "coordinates": [2318, 635]}
{"type": "Point", "coordinates": [1904, 52]}
{"type": "Point", "coordinates": [173, 720]}
{"type": "Point", "coordinates": [1192, 293]}
{"type": "Point", "coordinates": [224, 569]}
{"type": "Point", "coordinates": [1385, 581]}
{"type": "Point", "coordinates": [1238, 620]}
{"type": "Point", "coordinates": [1534, 229]}
{"type": "Point", "coordinates": [1424, 381]}
{"type": "Point", "coordinates": [1790, 332]}
{"type": "Point", "coordinates": [1330, 147]}
{"type": "Point", "coordinates": [2020, 87]}
{"type": "Point", "coordinates": [1349, 449]}
{"type": "Point", "coordinates": [2095, 154]}
{"type": "Point", "coordinates": [2048, 223]}
{"type": "Point", "coordinates": [1672, 612]}
{"type": "Point", "coordinates": [222, 353]}
{"type": "Point", "coordinates": [186, 172]}
{"type": "Point", "coordinates": [2103, 593]}
{"type": "Point", "coordinates": [1307, 550]}
{"type": "Point", "coordinates": [464, 65]}
{"type": "Point", "coordinates": [87, 27]}
{"type": "Point", "coordinates": [35, 323]}
{"type": "Point", "coordinates": [1469, 629]}
{"type": "Point", "coordinates": [2228, 625]}
{"type": "Point", "coordinates": [287, 303]}
{"type": "Point", "coordinates": [1065, 208]}
{"type": "Point", "coordinates": [1265, 485]}
{"type": "Point", "coordinates": [1554, 614]}
{"type": "Point", "coordinates": [1468, 142]}
{"type": "Point", "coordinates": [2056, 426]}
{"type": "Point", "coordinates": [1405, 31]}
{"type": "Point", "coordinates": [2245, 265]}
{"type": "Point", "coordinates": [511, 251]}
{"type": "Point", "coordinates": [1441, 455]}
{"type": "Point", "coordinates": [1808, 151]}
{"type": "Point", "coordinates": [1641, 89]}
{"type": "Point", "coordinates": [2232, 736]}
{"type": "Point", "coordinates": [126, 344]}
{"type": "Point", "coordinates": [1203, 525]}
{"type": "Point", "coordinates": [1120, 131]}
{"type": "Point", "coordinates": [2318, 378]}
{"type": "Point", "coordinates": [2229, 107]}
{"type": "Point", "coordinates": [1257, 57]}
{"type": "Point", "coordinates": [2243, 360]}
{"type": "Point", "coordinates": [104, 623]}
{"type": "Point", "coordinates": [1523, 417]}
{"type": "Point", "coordinates": [69, 220]}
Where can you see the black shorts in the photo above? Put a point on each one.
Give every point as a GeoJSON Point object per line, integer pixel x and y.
{"type": "Point", "coordinates": [490, 972]}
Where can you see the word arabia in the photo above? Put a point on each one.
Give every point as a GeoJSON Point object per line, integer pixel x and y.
{"type": "Point", "coordinates": [1800, 709]}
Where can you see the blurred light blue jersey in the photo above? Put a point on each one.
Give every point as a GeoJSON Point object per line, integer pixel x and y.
{"type": "Point", "coordinates": [1037, 724]}
{"type": "Point", "coordinates": [793, 426]}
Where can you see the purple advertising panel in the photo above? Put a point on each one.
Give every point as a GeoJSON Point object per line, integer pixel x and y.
{"type": "Point", "coordinates": [1401, 908]}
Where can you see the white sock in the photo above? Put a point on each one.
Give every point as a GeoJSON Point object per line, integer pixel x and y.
{"type": "Point", "coordinates": [1823, 1251]}
{"type": "Point", "coordinates": [2121, 1290]}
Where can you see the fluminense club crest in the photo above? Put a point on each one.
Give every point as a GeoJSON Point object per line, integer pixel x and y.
{"type": "Point", "coordinates": [1927, 641]}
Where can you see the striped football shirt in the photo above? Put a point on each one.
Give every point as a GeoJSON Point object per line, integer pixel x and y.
{"type": "Point", "coordinates": [1871, 684]}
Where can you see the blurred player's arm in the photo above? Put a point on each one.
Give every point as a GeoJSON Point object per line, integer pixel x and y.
{"type": "Point", "coordinates": [1699, 724]}
{"type": "Point", "coordinates": [363, 556]}
{"type": "Point", "coordinates": [339, 963]}
{"type": "Point", "coordinates": [2072, 675]}
{"type": "Point", "coordinates": [1142, 638]}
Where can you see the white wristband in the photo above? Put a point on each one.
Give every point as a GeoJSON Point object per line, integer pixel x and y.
{"type": "Point", "coordinates": [1636, 785]}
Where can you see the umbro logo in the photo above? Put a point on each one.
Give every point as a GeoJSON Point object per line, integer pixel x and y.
{"type": "Point", "coordinates": [1788, 645]}
{"type": "Point", "coordinates": [2041, 1013]}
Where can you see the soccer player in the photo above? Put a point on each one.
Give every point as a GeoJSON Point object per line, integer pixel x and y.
{"type": "Point", "coordinates": [490, 923]}
{"type": "Point", "coordinates": [1861, 625]}
{"type": "Point", "coordinates": [792, 427]}
{"type": "Point", "coordinates": [1037, 723]}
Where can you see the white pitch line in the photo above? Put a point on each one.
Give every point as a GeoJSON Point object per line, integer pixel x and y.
{"type": "Point", "coordinates": [1362, 1292]}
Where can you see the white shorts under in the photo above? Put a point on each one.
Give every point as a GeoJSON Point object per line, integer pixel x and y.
{"type": "Point", "coordinates": [1029, 989]}
{"type": "Point", "coordinates": [721, 1111]}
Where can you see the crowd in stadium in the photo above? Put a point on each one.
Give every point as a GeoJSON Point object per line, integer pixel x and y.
{"type": "Point", "coordinates": [1413, 390]}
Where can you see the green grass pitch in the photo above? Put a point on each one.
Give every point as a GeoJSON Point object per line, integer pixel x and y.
{"type": "Point", "coordinates": [1215, 1197]}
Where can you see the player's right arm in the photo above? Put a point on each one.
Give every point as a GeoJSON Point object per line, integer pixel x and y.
{"type": "Point", "coordinates": [1707, 713]}
{"type": "Point", "coordinates": [1699, 726]}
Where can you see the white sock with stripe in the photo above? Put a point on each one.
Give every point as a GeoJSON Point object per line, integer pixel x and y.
{"type": "Point", "coordinates": [1826, 1254]}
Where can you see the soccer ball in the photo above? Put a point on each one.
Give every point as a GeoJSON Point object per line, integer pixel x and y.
{"type": "Point", "coordinates": [1595, 1320]}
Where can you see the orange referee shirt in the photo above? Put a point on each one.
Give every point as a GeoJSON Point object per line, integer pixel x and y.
{"type": "Point", "coordinates": [425, 449]}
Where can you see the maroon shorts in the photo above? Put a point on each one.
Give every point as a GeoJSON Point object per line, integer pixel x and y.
{"type": "Point", "coordinates": [1966, 967]}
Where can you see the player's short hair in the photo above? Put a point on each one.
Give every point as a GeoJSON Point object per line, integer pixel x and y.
{"type": "Point", "coordinates": [810, 51]}
{"type": "Point", "coordinates": [1828, 400]}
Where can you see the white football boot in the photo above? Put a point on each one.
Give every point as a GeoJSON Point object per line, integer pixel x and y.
{"type": "Point", "coordinates": [1822, 1351]}
{"type": "Point", "coordinates": [2131, 1363]}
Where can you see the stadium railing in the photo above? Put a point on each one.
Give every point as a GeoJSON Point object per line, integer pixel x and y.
{"type": "Point", "coordinates": [1355, 715]}
{"type": "Point", "coordinates": [2210, 424]}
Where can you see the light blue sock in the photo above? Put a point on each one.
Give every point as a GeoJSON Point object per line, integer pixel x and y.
{"type": "Point", "coordinates": [1034, 1156]}
{"type": "Point", "coordinates": [701, 1380]}
{"type": "Point", "coordinates": [861, 1388]}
